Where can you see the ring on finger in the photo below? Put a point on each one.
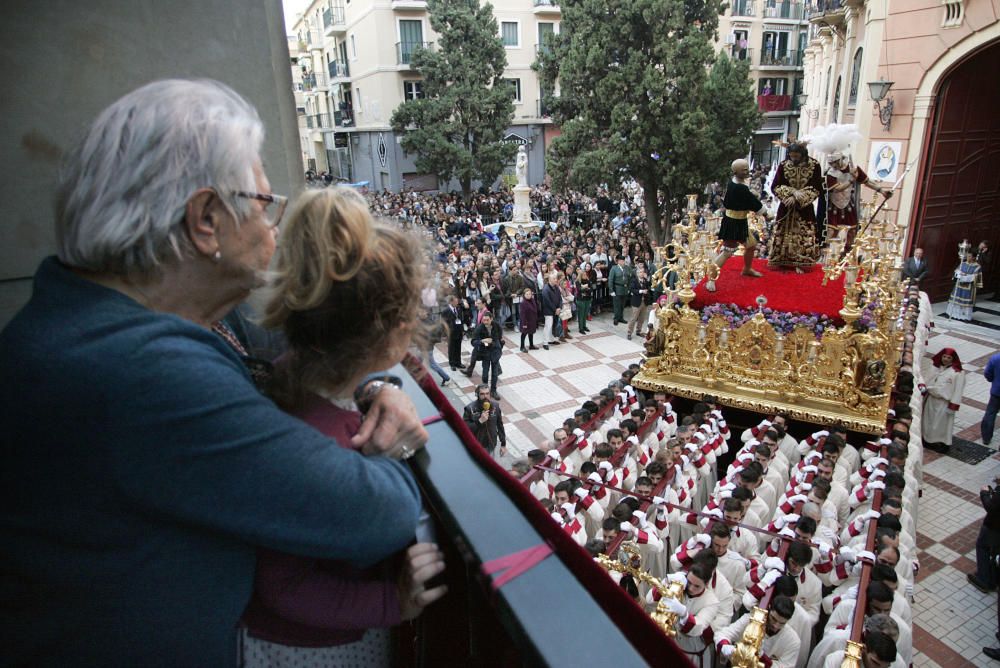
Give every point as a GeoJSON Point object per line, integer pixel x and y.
{"type": "Point", "coordinates": [407, 452]}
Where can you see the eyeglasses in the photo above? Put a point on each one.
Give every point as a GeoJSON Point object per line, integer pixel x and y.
{"type": "Point", "coordinates": [273, 214]}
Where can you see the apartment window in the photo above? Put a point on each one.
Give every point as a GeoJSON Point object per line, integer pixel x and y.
{"type": "Point", "coordinates": [411, 38]}
{"type": "Point", "coordinates": [354, 48]}
{"type": "Point", "coordinates": [413, 90]}
{"type": "Point", "coordinates": [826, 87]}
{"type": "Point", "coordinates": [836, 99]}
{"type": "Point", "coordinates": [510, 33]}
{"type": "Point", "coordinates": [545, 31]}
{"type": "Point", "coordinates": [515, 87]}
{"type": "Point", "coordinates": [852, 96]}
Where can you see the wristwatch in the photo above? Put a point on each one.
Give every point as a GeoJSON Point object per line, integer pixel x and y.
{"type": "Point", "coordinates": [365, 393]}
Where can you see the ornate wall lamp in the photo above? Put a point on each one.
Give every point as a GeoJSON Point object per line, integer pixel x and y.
{"type": "Point", "coordinates": [878, 90]}
{"type": "Point", "coordinates": [811, 113]}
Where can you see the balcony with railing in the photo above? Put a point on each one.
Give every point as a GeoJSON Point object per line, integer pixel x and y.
{"type": "Point", "coordinates": [795, 11]}
{"type": "Point", "coordinates": [817, 9]}
{"type": "Point", "coordinates": [740, 53]}
{"type": "Point", "coordinates": [547, 7]}
{"type": "Point", "coordinates": [409, 4]}
{"type": "Point", "coordinates": [768, 103]}
{"type": "Point", "coordinates": [318, 121]}
{"type": "Point", "coordinates": [778, 58]}
{"type": "Point", "coordinates": [334, 20]}
{"type": "Point", "coordinates": [344, 118]}
{"type": "Point", "coordinates": [541, 109]}
{"type": "Point", "coordinates": [405, 51]}
{"type": "Point", "coordinates": [742, 8]}
{"type": "Point", "coordinates": [338, 70]}
{"type": "Point", "coordinates": [308, 81]}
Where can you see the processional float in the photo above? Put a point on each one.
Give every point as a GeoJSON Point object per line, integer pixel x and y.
{"type": "Point", "coordinates": [839, 373]}
{"type": "Point", "coordinates": [842, 374]}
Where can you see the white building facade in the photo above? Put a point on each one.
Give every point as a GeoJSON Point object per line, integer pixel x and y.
{"type": "Point", "coordinates": [351, 67]}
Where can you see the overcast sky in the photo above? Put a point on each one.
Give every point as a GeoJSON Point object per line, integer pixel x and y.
{"type": "Point", "coordinates": [293, 7]}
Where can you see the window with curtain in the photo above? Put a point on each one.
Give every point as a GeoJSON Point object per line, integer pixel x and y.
{"type": "Point", "coordinates": [852, 97]}
{"type": "Point", "coordinates": [509, 33]}
{"type": "Point", "coordinates": [411, 36]}
{"type": "Point", "coordinates": [545, 31]}
{"type": "Point", "coordinates": [515, 88]}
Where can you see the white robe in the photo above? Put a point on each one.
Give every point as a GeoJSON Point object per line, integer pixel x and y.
{"type": "Point", "coordinates": [944, 386]}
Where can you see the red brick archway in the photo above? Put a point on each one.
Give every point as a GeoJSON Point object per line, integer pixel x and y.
{"type": "Point", "coordinates": [960, 185]}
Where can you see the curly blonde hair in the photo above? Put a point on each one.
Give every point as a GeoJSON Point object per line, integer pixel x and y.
{"type": "Point", "coordinates": [344, 286]}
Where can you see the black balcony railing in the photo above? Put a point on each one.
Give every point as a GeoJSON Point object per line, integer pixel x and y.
{"type": "Point", "coordinates": [333, 16]}
{"type": "Point", "coordinates": [405, 51]}
{"type": "Point", "coordinates": [318, 121]}
{"type": "Point", "coordinates": [308, 81]}
{"type": "Point", "coordinates": [337, 69]}
{"type": "Point", "coordinates": [740, 53]}
{"type": "Point", "coordinates": [819, 7]}
{"type": "Point", "coordinates": [742, 7]}
{"type": "Point", "coordinates": [777, 58]}
{"type": "Point", "coordinates": [343, 118]}
{"type": "Point", "coordinates": [784, 10]}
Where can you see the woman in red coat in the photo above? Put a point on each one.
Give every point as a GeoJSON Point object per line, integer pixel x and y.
{"type": "Point", "coordinates": [529, 319]}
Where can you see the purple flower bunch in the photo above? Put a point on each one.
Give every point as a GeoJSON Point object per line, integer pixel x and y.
{"type": "Point", "coordinates": [784, 322]}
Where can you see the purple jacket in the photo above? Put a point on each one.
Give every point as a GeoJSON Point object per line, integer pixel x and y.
{"type": "Point", "coordinates": [529, 315]}
{"type": "Point", "coordinates": [307, 602]}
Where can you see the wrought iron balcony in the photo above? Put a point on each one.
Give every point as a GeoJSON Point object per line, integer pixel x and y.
{"type": "Point", "coordinates": [334, 20]}
{"type": "Point", "coordinates": [778, 58]}
{"type": "Point", "coordinates": [405, 51]}
{"type": "Point", "coordinates": [547, 6]}
{"type": "Point", "coordinates": [740, 53]}
{"type": "Point", "coordinates": [338, 70]}
{"type": "Point", "coordinates": [742, 8]}
{"type": "Point", "coordinates": [784, 10]}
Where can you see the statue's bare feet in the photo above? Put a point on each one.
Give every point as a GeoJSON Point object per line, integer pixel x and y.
{"type": "Point", "coordinates": [799, 271]}
{"type": "Point", "coordinates": [753, 273]}
{"type": "Point", "coordinates": [710, 286]}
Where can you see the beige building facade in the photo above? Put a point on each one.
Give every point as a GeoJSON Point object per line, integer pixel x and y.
{"type": "Point", "coordinates": [771, 35]}
{"type": "Point", "coordinates": [943, 125]}
{"type": "Point", "coordinates": [351, 62]}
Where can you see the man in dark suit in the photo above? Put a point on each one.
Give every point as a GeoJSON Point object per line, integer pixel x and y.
{"type": "Point", "coordinates": [915, 268]}
{"type": "Point", "coordinates": [453, 317]}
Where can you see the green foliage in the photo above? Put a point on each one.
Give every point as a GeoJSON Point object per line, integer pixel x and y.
{"type": "Point", "coordinates": [641, 93]}
{"type": "Point", "coordinates": [456, 130]}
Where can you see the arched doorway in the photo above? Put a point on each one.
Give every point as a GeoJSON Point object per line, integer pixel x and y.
{"type": "Point", "coordinates": [960, 188]}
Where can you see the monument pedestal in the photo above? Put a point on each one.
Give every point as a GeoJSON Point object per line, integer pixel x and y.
{"type": "Point", "coordinates": [522, 204]}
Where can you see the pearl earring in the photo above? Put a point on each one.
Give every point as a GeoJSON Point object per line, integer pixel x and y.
{"type": "Point", "coordinates": [217, 257]}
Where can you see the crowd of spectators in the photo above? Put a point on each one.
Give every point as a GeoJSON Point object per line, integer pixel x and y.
{"type": "Point", "coordinates": [810, 528]}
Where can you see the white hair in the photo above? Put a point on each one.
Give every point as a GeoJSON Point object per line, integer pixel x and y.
{"type": "Point", "coordinates": [123, 190]}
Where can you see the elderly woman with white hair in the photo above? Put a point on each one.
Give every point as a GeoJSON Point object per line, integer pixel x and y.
{"type": "Point", "coordinates": [142, 467]}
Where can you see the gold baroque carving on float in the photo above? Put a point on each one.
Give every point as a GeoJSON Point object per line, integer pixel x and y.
{"type": "Point", "coordinates": [843, 376]}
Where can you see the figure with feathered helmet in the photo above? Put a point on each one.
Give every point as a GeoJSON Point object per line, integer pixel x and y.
{"type": "Point", "coordinates": [842, 179]}
{"type": "Point", "coordinates": [797, 184]}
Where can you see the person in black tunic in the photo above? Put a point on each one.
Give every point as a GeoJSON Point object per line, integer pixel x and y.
{"type": "Point", "coordinates": [738, 202]}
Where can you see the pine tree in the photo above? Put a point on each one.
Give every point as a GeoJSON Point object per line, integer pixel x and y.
{"type": "Point", "coordinates": [641, 94]}
{"type": "Point", "coordinates": [456, 130]}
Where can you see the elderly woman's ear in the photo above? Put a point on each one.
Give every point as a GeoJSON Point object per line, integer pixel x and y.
{"type": "Point", "coordinates": [202, 216]}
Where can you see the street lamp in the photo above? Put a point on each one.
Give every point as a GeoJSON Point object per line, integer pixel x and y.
{"type": "Point", "coordinates": [811, 113]}
{"type": "Point", "coordinates": [878, 90]}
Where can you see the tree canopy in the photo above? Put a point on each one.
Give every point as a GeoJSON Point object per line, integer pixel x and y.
{"type": "Point", "coordinates": [642, 93]}
{"type": "Point", "coordinates": [456, 129]}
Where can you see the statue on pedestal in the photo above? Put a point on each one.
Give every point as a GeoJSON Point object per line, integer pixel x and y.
{"type": "Point", "coordinates": [521, 166]}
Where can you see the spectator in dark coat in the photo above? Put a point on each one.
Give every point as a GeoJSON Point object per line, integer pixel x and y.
{"type": "Point", "coordinates": [551, 305]}
{"type": "Point", "coordinates": [988, 542]}
{"type": "Point", "coordinates": [529, 318]}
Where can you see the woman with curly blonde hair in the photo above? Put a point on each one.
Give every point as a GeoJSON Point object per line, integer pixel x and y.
{"type": "Point", "coordinates": [346, 294]}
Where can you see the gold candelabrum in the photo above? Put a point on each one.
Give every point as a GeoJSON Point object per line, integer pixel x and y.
{"type": "Point", "coordinates": [629, 562]}
{"type": "Point", "coordinates": [839, 375]}
{"type": "Point", "coordinates": [747, 654]}
{"type": "Point", "coordinates": [691, 252]}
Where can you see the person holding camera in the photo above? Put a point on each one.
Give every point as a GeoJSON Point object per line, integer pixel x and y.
{"type": "Point", "coordinates": [988, 541]}
{"type": "Point", "coordinates": [485, 421]}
